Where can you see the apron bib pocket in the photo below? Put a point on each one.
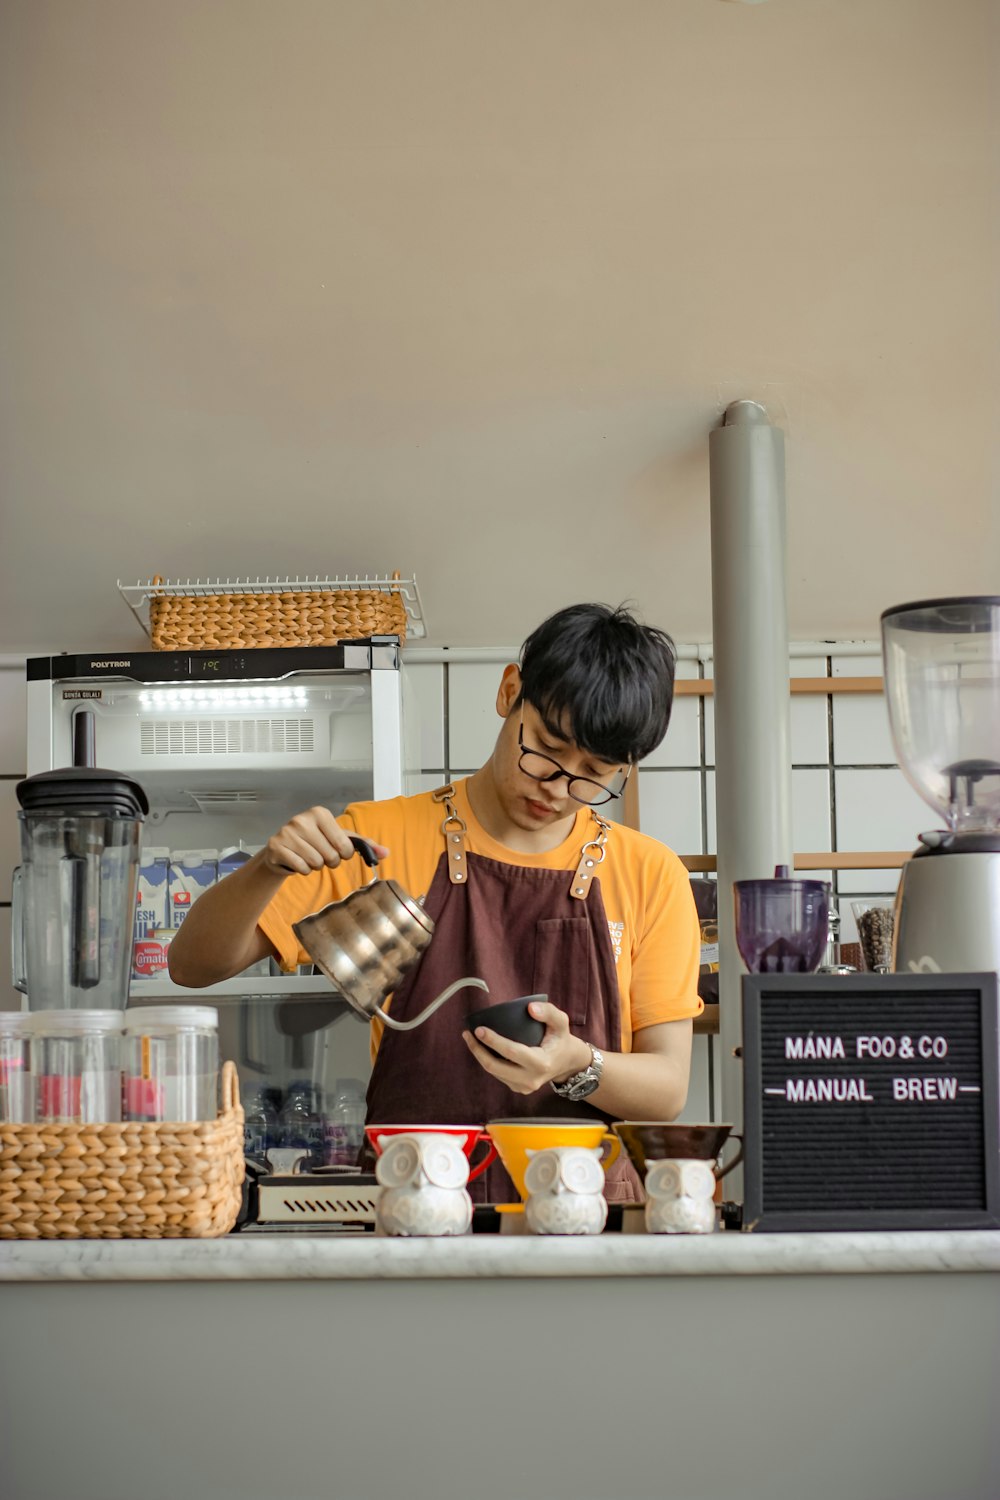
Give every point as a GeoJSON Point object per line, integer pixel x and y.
{"type": "Point", "coordinates": [564, 964]}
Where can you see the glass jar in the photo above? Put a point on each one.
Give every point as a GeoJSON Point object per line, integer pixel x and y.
{"type": "Point", "coordinates": [17, 1105]}
{"type": "Point", "coordinates": [76, 1065]}
{"type": "Point", "coordinates": [170, 1068]}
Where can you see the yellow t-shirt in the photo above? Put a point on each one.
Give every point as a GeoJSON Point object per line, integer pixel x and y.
{"type": "Point", "coordinates": [652, 919]}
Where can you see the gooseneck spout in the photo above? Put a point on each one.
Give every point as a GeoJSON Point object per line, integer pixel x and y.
{"type": "Point", "coordinates": [434, 1005]}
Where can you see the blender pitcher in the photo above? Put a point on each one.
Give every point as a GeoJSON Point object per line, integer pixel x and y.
{"type": "Point", "coordinates": [75, 889]}
{"type": "Point", "coordinates": [942, 686]}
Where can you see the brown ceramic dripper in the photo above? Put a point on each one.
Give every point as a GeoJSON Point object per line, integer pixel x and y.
{"type": "Point", "coordinates": [647, 1141]}
{"type": "Point", "coordinates": [365, 945]}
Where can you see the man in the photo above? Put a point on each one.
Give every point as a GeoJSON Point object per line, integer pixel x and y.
{"type": "Point", "coordinates": [546, 897]}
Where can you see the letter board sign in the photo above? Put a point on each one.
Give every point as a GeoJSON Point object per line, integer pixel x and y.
{"type": "Point", "coordinates": [870, 1101]}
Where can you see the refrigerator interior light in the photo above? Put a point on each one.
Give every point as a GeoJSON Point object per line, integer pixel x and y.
{"type": "Point", "coordinates": [234, 698]}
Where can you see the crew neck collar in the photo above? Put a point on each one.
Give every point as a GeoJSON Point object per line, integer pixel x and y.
{"type": "Point", "coordinates": [570, 846]}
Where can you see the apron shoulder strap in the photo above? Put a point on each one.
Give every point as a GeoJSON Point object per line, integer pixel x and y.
{"type": "Point", "coordinates": [591, 856]}
{"type": "Point", "coordinates": [454, 830]}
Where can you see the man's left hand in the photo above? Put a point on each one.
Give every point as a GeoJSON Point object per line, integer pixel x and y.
{"type": "Point", "coordinates": [523, 1069]}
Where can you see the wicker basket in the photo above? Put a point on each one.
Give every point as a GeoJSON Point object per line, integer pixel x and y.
{"type": "Point", "coordinates": [313, 617]}
{"type": "Point", "coordinates": [163, 1181]}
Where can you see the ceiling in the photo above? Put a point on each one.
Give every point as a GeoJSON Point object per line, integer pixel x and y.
{"type": "Point", "coordinates": [460, 289]}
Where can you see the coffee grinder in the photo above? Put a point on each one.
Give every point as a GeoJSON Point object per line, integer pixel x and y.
{"type": "Point", "coordinates": [942, 684]}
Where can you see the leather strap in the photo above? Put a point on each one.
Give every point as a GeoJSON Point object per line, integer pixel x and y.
{"type": "Point", "coordinates": [454, 830]}
{"type": "Point", "coordinates": [591, 857]}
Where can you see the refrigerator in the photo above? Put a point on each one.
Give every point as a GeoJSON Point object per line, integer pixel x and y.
{"type": "Point", "coordinates": [228, 745]}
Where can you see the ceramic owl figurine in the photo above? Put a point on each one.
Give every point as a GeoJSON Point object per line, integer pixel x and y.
{"type": "Point", "coordinates": [679, 1197]}
{"type": "Point", "coordinates": [423, 1181]}
{"type": "Point", "coordinates": [565, 1187]}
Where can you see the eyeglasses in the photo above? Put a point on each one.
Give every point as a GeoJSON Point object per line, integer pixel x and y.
{"type": "Point", "coordinates": [581, 788]}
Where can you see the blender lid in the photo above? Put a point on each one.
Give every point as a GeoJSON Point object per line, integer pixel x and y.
{"type": "Point", "coordinates": [970, 613]}
{"type": "Point", "coordinates": [784, 880]}
{"type": "Point", "coordinates": [79, 788]}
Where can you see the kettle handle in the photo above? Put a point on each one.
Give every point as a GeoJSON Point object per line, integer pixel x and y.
{"type": "Point", "coordinates": [361, 845]}
{"type": "Point", "coordinates": [364, 849]}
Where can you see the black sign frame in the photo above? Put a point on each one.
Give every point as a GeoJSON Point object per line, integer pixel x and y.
{"type": "Point", "coordinates": [884, 997]}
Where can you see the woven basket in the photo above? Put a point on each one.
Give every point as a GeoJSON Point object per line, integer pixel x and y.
{"type": "Point", "coordinates": [316, 617]}
{"type": "Point", "coordinates": [163, 1181]}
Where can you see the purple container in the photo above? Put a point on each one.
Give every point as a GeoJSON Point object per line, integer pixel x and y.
{"type": "Point", "coordinates": [781, 924]}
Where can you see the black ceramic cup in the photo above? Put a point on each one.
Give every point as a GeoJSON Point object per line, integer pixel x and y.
{"type": "Point", "coordinates": [510, 1019]}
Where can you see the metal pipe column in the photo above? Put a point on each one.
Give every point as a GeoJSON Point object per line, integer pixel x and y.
{"type": "Point", "coordinates": [753, 781]}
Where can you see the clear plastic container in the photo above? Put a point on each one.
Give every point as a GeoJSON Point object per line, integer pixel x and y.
{"type": "Point", "coordinates": [344, 1124]}
{"type": "Point", "coordinates": [17, 1104]}
{"type": "Point", "coordinates": [170, 1066]}
{"type": "Point", "coordinates": [76, 1065]}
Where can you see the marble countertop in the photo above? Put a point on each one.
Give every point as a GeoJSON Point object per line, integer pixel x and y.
{"type": "Point", "coordinates": [353, 1257]}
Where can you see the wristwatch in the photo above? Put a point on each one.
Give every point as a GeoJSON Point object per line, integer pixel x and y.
{"type": "Point", "coordinates": [585, 1082]}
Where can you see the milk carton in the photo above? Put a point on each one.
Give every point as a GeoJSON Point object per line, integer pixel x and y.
{"type": "Point", "coordinates": [151, 898]}
{"type": "Point", "coordinates": [191, 872]}
{"type": "Point", "coordinates": [231, 859]}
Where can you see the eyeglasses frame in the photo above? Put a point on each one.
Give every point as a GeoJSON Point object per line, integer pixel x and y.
{"type": "Point", "coordinates": [610, 795]}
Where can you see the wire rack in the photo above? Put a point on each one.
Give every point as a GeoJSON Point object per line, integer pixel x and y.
{"type": "Point", "coordinates": [137, 595]}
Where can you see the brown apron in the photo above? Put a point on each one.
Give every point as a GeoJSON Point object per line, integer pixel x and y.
{"type": "Point", "coordinates": [520, 930]}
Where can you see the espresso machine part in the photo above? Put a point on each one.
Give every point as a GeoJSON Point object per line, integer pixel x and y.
{"type": "Point", "coordinates": [367, 943]}
{"type": "Point", "coordinates": [942, 683]}
{"type": "Point", "coordinates": [75, 890]}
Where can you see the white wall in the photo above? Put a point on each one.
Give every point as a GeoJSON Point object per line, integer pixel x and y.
{"type": "Point", "coordinates": [461, 288]}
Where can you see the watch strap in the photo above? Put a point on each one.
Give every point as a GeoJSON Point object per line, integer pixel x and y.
{"type": "Point", "coordinates": [587, 1081]}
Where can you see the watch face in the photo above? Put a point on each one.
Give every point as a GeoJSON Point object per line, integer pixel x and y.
{"type": "Point", "coordinates": [584, 1085]}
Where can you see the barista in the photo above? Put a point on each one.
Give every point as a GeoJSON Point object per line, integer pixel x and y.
{"type": "Point", "coordinates": [589, 698]}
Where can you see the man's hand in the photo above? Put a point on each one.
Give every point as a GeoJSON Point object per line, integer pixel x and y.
{"type": "Point", "coordinates": [525, 1069]}
{"type": "Point", "coordinates": [309, 841]}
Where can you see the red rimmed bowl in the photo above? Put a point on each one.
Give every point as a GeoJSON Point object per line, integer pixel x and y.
{"type": "Point", "coordinates": [467, 1136]}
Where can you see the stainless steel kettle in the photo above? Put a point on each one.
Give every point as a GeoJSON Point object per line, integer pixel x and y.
{"type": "Point", "coordinates": [368, 942]}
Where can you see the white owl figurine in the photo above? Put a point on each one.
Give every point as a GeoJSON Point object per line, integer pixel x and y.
{"type": "Point", "coordinates": [565, 1187]}
{"type": "Point", "coordinates": [679, 1197]}
{"type": "Point", "coordinates": [423, 1179]}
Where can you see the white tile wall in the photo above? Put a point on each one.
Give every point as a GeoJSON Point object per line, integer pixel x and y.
{"type": "Point", "coordinates": [428, 782]}
{"type": "Point", "coordinates": [426, 688]}
{"type": "Point", "coordinates": [879, 810]}
{"type": "Point", "coordinates": [810, 811]}
{"type": "Point", "coordinates": [681, 746]}
{"type": "Point", "coordinates": [670, 808]}
{"type": "Point", "coordinates": [473, 722]}
{"type": "Point", "coordinates": [807, 717]}
{"type": "Point", "coordinates": [855, 666]}
{"type": "Point", "coordinates": [861, 730]}
{"type": "Point", "coordinates": [853, 883]}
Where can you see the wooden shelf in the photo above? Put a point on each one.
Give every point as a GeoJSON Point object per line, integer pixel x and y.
{"type": "Point", "coordinates": [842, 859]}
{"type": "Point", "coordinates": [704, 687]}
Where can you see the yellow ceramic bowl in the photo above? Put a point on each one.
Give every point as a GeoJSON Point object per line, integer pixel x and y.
{"type": "Point", "coordinates": [518, 1140]}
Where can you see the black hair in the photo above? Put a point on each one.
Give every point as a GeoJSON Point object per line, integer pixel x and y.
{"type": "Point", "coordinates": [601, 678]}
